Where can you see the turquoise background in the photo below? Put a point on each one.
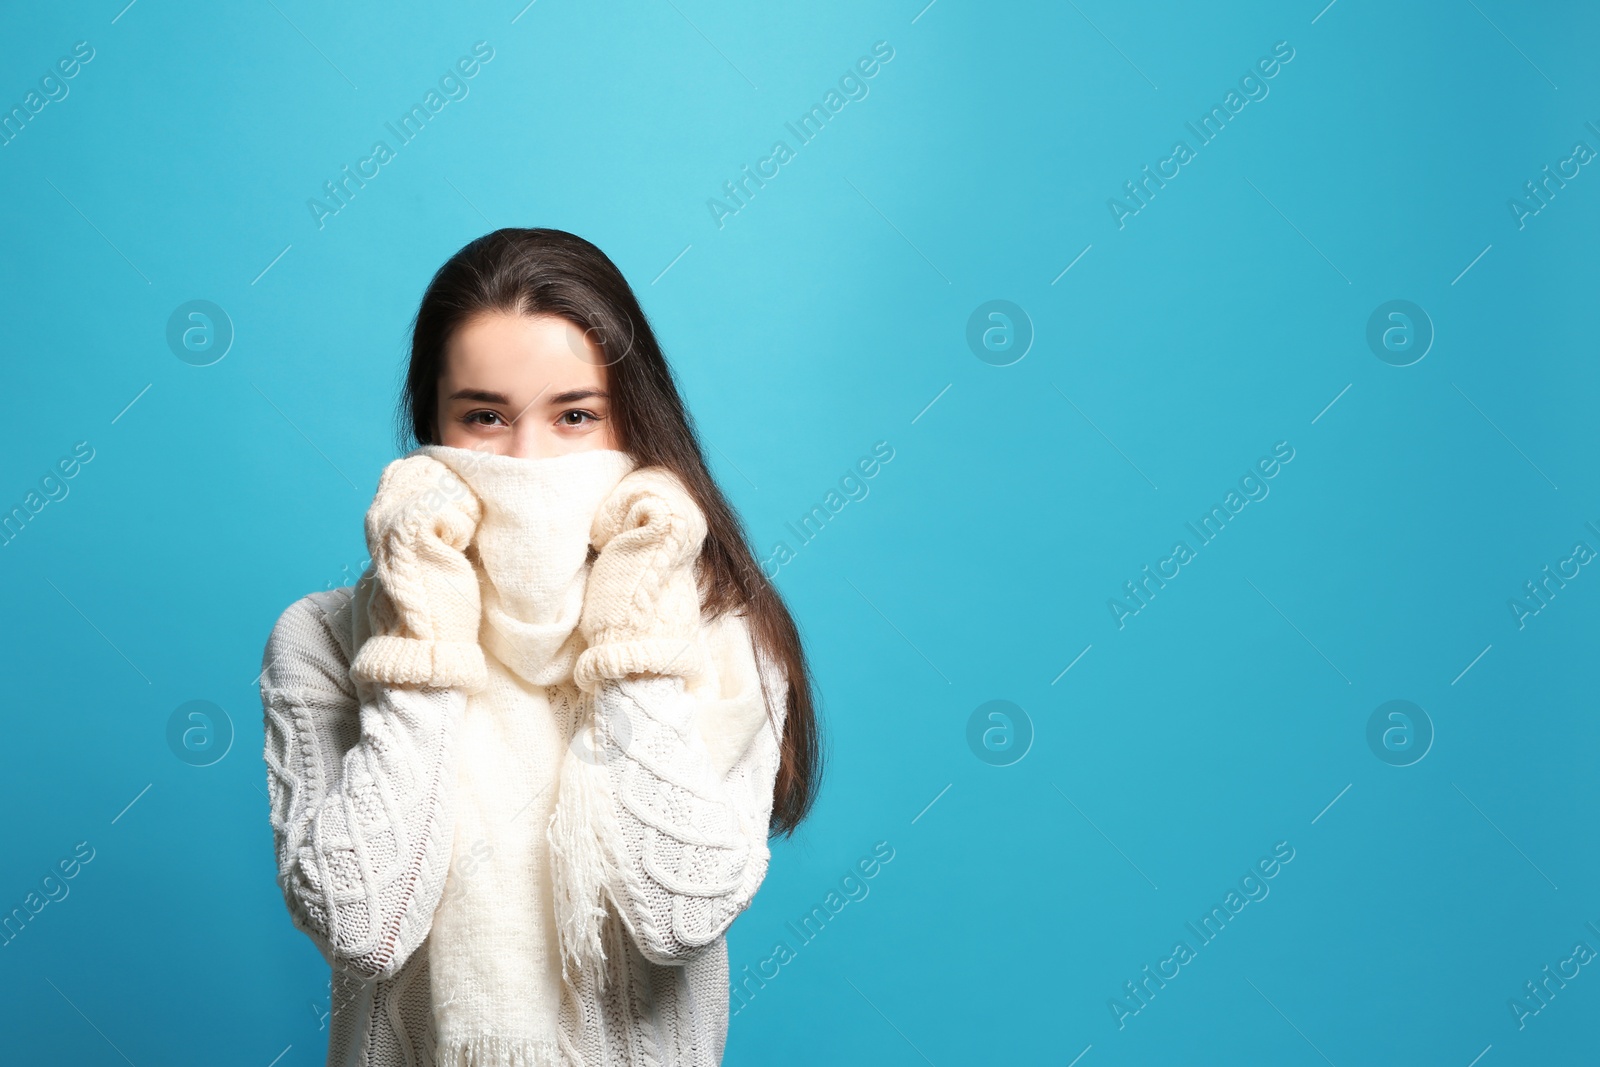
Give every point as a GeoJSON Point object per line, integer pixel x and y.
{"type": "Point", "coordinates": [831, 312]}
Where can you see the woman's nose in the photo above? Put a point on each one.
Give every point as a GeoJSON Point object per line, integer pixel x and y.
{"type": "Point", "coordinates": [527, 442]}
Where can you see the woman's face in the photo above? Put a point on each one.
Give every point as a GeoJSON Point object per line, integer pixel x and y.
{"type": "Point", "coordinates": [528, 386]}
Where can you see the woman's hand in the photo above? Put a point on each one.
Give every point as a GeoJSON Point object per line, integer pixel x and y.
{"type": "Point", "coordinates": [425, 611]}
{"type": "Point", "coordinates": [641, 610]}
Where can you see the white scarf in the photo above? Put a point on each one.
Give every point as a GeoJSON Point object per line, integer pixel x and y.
{"type": "Point", "coordinates": [494, 960]}
{"type": "Point", "coordinates": [532, 862]}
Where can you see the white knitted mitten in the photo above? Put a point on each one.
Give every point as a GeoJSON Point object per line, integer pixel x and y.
{"type": "Point", "coordinates": [425, 610]}
{"type": "Point", "coordinates": [641, 608]}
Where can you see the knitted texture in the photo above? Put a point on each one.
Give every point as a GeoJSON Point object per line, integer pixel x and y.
{"type": "Point", "coordinates": [425, 610]}
{"type": "Point", "coordinates": [641, 613]}
{"type": "Point", "coordinates": [531, 549]}
{"type": "Point", "coordinates": [699, 864]}
{"type": "Point", "coordinates": [361, 800]}
{"type": "Point", "coordinates": [494, 968]}
{"type": "Point", "coordinates": [361, 793]}
{"type": "Point", "coordinates": [408, 799]}
{"type": "Point", "coordinates": [641, 617]}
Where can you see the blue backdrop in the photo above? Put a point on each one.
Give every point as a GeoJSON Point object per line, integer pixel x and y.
{"type": "Point", "coordinates": [1208, 662]}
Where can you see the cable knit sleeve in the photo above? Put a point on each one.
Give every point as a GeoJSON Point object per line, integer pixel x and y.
{"type": "Point", "coordinates": [359, 793]}
{"type": "Point", "coordinates": [691, 813]}
{"type": "Point", "coordinates": [668, 819]}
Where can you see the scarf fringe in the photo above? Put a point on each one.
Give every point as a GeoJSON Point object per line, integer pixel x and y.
{"type": "Point", "coordinates": [486, 1050]}
{"type": "Point", "coordinates": [583, 870]}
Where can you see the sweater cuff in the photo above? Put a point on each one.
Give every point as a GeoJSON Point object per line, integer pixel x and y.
{"type": "Point", "coordinates": [391, 660]}
{"type": "Point", "coordinates": [646, 655]}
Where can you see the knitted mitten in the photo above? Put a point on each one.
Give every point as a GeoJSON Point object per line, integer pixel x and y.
{"type": "Point", "coordinates": [424, 611]}
{"type": "Point", "coordinates": [641, 608]}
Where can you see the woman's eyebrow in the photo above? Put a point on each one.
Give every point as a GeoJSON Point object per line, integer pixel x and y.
{"type": "Point", "coordinates": [572, 395]}
{"type": "Point", "coordinates": [490, 397]}
{"type": "Point", "coordinates": [484, 395]}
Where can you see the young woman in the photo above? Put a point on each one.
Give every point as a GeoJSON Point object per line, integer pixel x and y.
{"type": "Point", "coordinates": [524, 773]}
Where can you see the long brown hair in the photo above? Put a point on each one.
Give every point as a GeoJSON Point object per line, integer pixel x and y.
{"type": "Point", "coordinates": [551, 272]}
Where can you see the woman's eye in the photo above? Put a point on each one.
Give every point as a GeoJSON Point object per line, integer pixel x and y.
{"type": "Point", "coordinates": [576, 416]}
{"type": "Point", "coordinates": [477, 417]}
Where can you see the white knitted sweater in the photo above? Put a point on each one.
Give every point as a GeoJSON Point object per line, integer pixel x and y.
{"type": "Point", "coordinates": [362, 819]}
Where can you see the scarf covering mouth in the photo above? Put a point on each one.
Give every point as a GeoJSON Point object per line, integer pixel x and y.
{"type": "Point", "coordinates": [494, 954]}
{"type": "Point", "coordinates": [532, 550]}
